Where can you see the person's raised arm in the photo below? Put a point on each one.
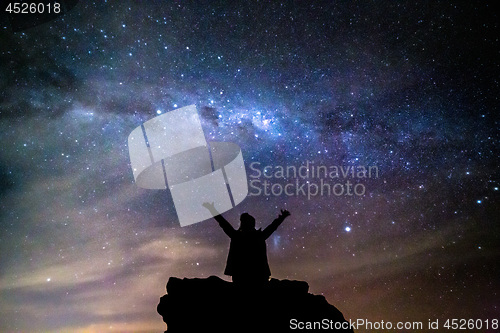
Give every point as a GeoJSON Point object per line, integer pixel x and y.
{"type": "Point", "coordinates": [223, 223]}
{"type": "Point", "coordinates": [268, 231]}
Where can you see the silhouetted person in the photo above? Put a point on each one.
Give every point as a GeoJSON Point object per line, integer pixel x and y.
{"type": "Point", "coordinates": [247, 258]}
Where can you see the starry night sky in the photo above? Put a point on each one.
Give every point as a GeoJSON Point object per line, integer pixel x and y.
{"type": "Point", "coordinates": [411, 88]}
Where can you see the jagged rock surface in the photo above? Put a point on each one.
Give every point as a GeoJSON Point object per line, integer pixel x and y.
{"type": "Point", "coordinates": [215, 305]}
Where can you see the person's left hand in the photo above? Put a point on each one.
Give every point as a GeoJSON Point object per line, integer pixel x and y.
{"type": "Point", "coordinates": [285, 213]}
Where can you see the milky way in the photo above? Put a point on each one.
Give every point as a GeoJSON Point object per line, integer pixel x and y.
{"type": "Point", "coordinates": [411, 89]}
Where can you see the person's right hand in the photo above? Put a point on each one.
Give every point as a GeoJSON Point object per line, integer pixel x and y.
{"type": "Point", "coordinates": [208, 205]}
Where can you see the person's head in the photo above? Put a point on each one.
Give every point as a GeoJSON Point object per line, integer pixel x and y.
{"type": "Point", "coordinates": [247, 222]}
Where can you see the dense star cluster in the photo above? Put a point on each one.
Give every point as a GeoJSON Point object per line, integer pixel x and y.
{"type": "Point", "coordinates": [409, 90]}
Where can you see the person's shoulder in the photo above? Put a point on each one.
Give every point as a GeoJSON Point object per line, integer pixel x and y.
{"type": "Point", "coordinates": [260, 233]}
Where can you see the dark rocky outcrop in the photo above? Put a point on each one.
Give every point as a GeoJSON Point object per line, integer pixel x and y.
{"type": "Point", "coordinates": [215, 305]}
